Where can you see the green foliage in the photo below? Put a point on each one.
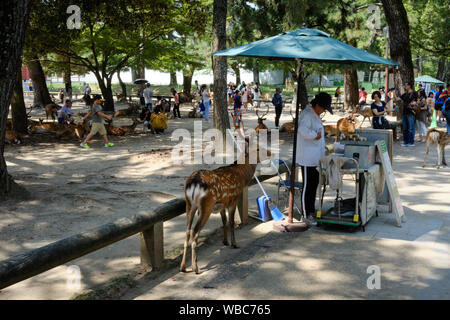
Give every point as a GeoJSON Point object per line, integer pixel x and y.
{"type": "Point", "coordinates": [112, 32]}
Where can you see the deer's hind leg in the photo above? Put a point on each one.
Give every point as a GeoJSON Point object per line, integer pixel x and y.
{"type": "Point", "coordinates": [438, 146]}
{"type": "Point", "coordinates": [223, 214]}
{"type": "Point", "coordinates": [190, 213]}
{"type": "Point", "coordinates": [205, 210]}
{"type": "Point", "coordinates": [426, 153]}
{"type": "Point", "coordinates": [443, 156]}
{"type": "Point", "coordinates": [231, 212]}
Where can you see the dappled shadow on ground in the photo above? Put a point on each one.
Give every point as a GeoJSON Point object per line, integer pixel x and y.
{"type": "Point", "coordinates": [74, 190]}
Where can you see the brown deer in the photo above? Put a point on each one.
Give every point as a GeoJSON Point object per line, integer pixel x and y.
{"type": "Point", "coordinates": [261, 125]}
{"type": "Point", "coordinates": [130, 128]}
{"type": "Point", "coordinates": [43, 127]}
{"type": "Point", "coordinates": [289, 126]}
{"type": "Point", "coordinates": [12, 136]}
{"type": "Point", "coordinates": [366, 113]}
{"type": "Point", "coordinates": [193, 113]}
{"type": "Point", "coordinates": [330, 130]}
{"type": "Point", "coordinates": [73, 131]}
{"type": "Point", "coordinates": [440, 139]}
{"type": "Point", "coordinates": [52, 110]}
{"type": "Point", "coordinates": [132, 108]}
{"type": "Point", "coordinates": [347, 126]}
{"type": "Point", "coordinates": [120, 130]}
{"type": "Point", "coordinates": [206, 190]}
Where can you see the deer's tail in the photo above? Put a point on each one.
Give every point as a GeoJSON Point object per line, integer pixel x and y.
{"type": "Point", "coordinates": [195, 190]}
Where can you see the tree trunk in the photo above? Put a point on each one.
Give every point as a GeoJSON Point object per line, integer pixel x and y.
{"type": "Point", "coordinates": [187, 78]}
{"type": "Point", "coordinates": [12, 32]}
{"type": "Point", "coordinates": [235, 67]}
{"type": "Point", "coordinates": [397, 20]}
{"type": "Point", "coordinates": [18, 110]}
{"type": "Point", "coordinates": [67, 78]}
{"type": "Point", "coordinates": [122, 84]}
{"type": "Point", "coordinates": [173, 79]}
{"type": "Point", "coordinates": [40, 90]}
{"type": "Point", "coordinates": [256, 72]}
{"type": "Point", "coordinates": [221, 120]}
{"type": "Point", "coordinates": [351, 94]}
{"type": "Point", "coordinates": [440, 71]}
{"type": "Point", "coordinates": [106, 90]}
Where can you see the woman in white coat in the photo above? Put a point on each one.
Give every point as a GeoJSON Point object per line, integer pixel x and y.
{"type": "Point", "coordinates": [310, 148]}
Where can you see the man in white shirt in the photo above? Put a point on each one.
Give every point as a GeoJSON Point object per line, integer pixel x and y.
{"type": "Point", "coordinates": [148, 95]}
{"type": "Point", "coordinates": [310, 148]}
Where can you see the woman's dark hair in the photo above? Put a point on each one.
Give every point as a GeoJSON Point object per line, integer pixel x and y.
{"type": "Point", "coordinates": [376, 93]}
{"type": "Point", "coordinates": [430, 95]}
{"type": "Point", "coordinates": [362, 88]}
{"type": "Point", "coordinates": [203, 86]}
{"type": "Point", "coordinates": [323, 99]}
{"type": "Point", "coordinates": [422, 94]}
{"type": "Point", "coordinates": [441, 88]}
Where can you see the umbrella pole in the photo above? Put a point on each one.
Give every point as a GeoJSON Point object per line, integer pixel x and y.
{"type": "Point", "coordinates": [290, 226]}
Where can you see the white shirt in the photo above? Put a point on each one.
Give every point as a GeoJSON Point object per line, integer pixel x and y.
{"type": "Point", "coordinates": [148, 94]}
{"type": "Point", "coordinates": [309, 151]}
{"type": "Point", "coordinates": [205, 95]}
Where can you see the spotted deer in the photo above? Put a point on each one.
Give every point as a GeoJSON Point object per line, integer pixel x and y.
{"type": "Point", "coordinates": [289, 126]}
{"type": "Point", "coordinates": [366, 113]}
{"type": "Point", "coordinates": [440, 139]}
{"type": "Point", "coordinates": [261, 125]}
{"type": "Point", "coordinates": [52, 110]}
{"type": "Point", "coordinates": [210, 190]}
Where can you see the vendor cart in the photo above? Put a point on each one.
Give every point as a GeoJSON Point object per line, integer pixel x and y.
{"type": "Point", "coordinates": [354, 211]}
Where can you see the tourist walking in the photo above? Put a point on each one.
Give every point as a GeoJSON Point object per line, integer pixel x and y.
{"type": "Point", "coordinates": [409, 99]}
{"type": "Point", "coordinates": [422, 115]}
{"type": "Point", "coordinates": [176, 106]}
{"type": "Point", "coordinates": [277, 101]}
{"type": "Point", "coordinates": [206, 96]}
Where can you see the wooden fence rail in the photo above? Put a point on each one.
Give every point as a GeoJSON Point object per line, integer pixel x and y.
{"type": "Point", "coordinates": [150, 225]}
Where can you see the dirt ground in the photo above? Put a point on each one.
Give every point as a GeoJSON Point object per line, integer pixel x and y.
{"type": "Point", "coordinates": [74, 190]}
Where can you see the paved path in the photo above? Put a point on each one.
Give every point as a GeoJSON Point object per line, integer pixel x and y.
{"type": "Point", "coordinates": [331, 264]}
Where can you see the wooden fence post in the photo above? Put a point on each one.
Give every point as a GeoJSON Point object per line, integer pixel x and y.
{"type": "Point", "coordinates": [152, 247]}
{"type": "Point", "coordinates": [243, 206]}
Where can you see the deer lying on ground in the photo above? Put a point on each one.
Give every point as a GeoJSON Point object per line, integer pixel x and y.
{"type": "Point", "coordinates": [206, 190]}
{"type": "Point", "coordinates": [44, 127]}
{"type": "Point", "coordinates": [132, 108]}
{"type": "Point", "coordinates": [347, 127]}
{"type": "Point", "coordinates": [120, 130]}
{"type": "Point", "coordinates": [261, 125]}
{"type": "Point", "coordinates": [12, 136]}
{"type": "Point", "coordinates": [288, 126]}
{"type": "Point", "coordinates": [440, 139]}
{"type": "Point", "coordinates": [121, 97]}
{"type": "Point", "coordinates": [52, 110]}
{"type": "Point", "coordinates": [366, 113]}
{"type": "Point", "coordinates": [193, 113]}
{"type": "Point", "coordinates": [73, 131]}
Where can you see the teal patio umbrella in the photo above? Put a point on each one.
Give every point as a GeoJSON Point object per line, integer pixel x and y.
{"type": "Point", "coordinates": [303, 45]}
{"type": "Point", "coordinates": [427, 79]}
